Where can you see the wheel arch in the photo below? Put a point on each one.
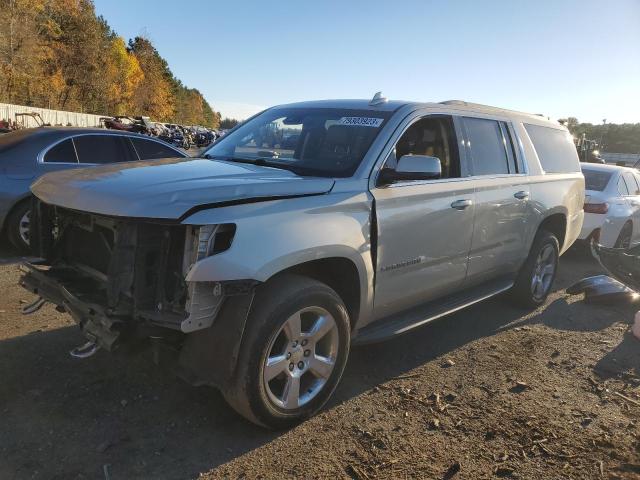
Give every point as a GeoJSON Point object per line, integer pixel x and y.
{"type": "Point", "coordinates": [555, 223]}
{"type": "Point", "coordinates": [339, 273]}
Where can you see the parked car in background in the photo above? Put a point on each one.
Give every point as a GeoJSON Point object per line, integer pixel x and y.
{"type": "Point", "coordinates": [612, 198]}
{"type": "Point", "coordinates": [307, 228]}
{"type": "Point", "coordinates": [27, 154]}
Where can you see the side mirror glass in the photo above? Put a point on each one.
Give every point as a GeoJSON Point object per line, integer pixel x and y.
{"type": "Point", "coordinates": [412, 167]}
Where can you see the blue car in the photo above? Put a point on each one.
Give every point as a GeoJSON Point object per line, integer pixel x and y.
{"type": "Point", "coordinates": [27, 154]}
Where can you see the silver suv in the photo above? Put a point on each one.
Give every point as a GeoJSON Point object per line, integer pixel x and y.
{"type": "Point", "coordinates": [308, 228]}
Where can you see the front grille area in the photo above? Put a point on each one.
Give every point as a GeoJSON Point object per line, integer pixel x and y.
{"type": "Point", "coordinates": [135, 267]}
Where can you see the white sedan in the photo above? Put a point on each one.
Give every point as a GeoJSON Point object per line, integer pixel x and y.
{"type": "Point", "coordinates": [611, 205]}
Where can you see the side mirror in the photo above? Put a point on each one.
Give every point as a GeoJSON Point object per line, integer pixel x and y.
{"type": "Point", "coordinates": [412, 167]}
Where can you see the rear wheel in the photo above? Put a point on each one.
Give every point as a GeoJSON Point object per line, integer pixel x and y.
{"type": "Point", "coordinates": [17, 226]}
{"type": "Point", "coordinates": [536, 276]}
{"type": "Point", "coordinates": [293, 354]}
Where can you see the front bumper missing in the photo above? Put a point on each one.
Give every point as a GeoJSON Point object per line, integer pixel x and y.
{"type": "Point", "coordinates": [96, 326]}
{"type": "Point", "coordinates": [208, 356]}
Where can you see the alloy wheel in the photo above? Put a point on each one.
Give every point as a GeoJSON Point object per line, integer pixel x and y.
{"type": "Point", "coordinates": [301, 357]}
{"type": "Point", "coordinates": [543, 272]}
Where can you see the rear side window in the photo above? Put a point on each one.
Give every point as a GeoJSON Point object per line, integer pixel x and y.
{"type": "Point", "coordinates": [63, 152]}
{"type": "Point", "coordinates": [630, 180]}
{"type": "Point", "coordinates": [622, 187]}
{"type": "Point", "coordinates": [148, 149]}
{"type": "Point", "coordinates": [102, 149]}
{"type": "Point", "coordinates": [637, 179]}
{"type": "Point", "coordinates": [596, 180]}
{"type": "Point", "coordinates": [555, 149]}
{"type": "Point", "coordinates": [487, 146]}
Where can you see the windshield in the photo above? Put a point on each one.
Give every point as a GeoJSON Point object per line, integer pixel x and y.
{"type": "Point", "coordinates": [308, 141]}
{"type": "Point", "coordinates": [596, 180]}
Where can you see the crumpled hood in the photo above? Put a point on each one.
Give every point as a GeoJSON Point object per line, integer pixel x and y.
{"type": "Point", "coordinates": [169, 188]}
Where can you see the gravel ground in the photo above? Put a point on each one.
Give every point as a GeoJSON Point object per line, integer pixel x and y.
{"type": "Point", "coordinates": [487, 392]}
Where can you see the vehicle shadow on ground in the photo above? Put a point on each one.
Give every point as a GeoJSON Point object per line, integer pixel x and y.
{"type": "Point", "coordinates": [66, 418]}
{"type": "Point", "coordinates": [582, 316]}
{"type": "Point", "coordinates": [62, 416]}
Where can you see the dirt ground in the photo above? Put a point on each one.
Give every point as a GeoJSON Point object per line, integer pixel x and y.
{"type": "Point", "coordinates": [487, 392]}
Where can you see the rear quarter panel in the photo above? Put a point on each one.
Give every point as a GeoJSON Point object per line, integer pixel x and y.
{"type": "Point", "coordinates": [552, 193]}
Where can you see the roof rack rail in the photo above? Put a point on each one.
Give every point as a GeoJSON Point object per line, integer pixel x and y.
{"type": "Point", "coordinates": [488, 107]}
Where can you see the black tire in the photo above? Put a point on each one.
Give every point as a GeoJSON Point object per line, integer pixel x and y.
{"type": "Point", "coordinates": [13, 222]}
{"type": "Point", "coordinates": [275, 302]}
{"type": "Point", "coordinates": [624, 238]}
{"type": "Point", "coordinates": [522, 293]}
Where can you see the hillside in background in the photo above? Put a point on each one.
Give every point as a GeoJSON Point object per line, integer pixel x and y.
{"type": "Point", "coordinates": [59, 54]}
{"type": "Point", "coordinates": [619, 138]}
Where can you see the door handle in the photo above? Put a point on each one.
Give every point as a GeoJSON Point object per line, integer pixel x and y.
{"type": "Point", "coordinates": [521, 195]}
{"type": "Point", "coordinates": [461, 204]}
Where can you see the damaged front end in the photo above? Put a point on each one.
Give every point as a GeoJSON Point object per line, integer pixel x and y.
{"type": "Point", "coordinates": [123, 280]}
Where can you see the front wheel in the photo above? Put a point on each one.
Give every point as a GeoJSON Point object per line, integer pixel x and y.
{"type": "Point", "coordinates": [294, 352]}
{"type": "Point", "coordinates": [536, 276]}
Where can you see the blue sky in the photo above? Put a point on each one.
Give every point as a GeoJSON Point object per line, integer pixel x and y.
{"type": "Point", "coordinates": [560, 58]}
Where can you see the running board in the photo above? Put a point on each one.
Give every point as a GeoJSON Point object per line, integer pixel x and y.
{"type": "Point", "coordinates": [403, 322]}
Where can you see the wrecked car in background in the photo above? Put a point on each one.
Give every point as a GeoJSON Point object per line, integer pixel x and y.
{"type": "Point", "coordinates": [307, 228]}
{"type": "Point", "coordinates": [27, 154]}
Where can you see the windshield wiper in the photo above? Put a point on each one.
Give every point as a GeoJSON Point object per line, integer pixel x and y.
{"type": "Point", "coordinates": [261, 162]}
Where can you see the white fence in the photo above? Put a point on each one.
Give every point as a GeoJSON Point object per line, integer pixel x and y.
{"type": "Point", "coordinates": [53, 117]}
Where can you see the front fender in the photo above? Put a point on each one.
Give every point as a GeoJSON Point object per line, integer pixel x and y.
{"type": "Point", "coordinates": [276, 235]}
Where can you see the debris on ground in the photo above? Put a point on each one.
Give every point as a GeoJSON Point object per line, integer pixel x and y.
{"type": "Point", "coordinates": [401, 411]}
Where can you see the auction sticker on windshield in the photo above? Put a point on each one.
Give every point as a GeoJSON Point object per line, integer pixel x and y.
{"type": "Point", "coordinates": [361, 121]}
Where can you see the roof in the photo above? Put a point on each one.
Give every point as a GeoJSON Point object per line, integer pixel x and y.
{"type": "Point", "coordinates": [390, 106]}
{"type": "Point", "coordinates": [72, 130]}
{"type": "Point", "coordinates": [393, 105]}
{"type": "Point", "coordinates": [38, 138]}
{"type": "Point", "coordinates": [603, 167]}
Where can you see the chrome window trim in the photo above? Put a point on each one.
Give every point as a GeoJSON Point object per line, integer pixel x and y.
{"type": "Point", "coordinates": [521, 159]}
{"type": "Point", "coordinates": [490, 176]}
{"type": "Point", "coordinates": [40, 157]}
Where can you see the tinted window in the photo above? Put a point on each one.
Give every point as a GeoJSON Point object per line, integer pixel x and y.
{"type": "Point", "coordinates": [148, 149]}
{"type": "Point", "coordinates": [487, 146]}
{"type": "Point", "coordinates": [61, 153]}
{"type": "Point", "coordinates": [596, 180]}
{"type": "Point", "coordinates": [432, 136]}
{"type": "Point", "coordinates": [101, 149]}
{"type": "Point", "coordinates": [555, 149]}
{"type": "Point", "coordinates": [630, 180]}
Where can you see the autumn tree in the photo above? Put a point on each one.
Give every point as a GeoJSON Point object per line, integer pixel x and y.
{"type": "Point", "coordinates": [124, 76]}
{"type": "Point", "coordinates": [21, 53]}
{"type": "Point", "coordinates": [154, 95]}
{"type": "Point", "coordinates": [59, 54]}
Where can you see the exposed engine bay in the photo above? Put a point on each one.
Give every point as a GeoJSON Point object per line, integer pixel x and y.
{"type": "Point", "coordinates": [124, 279]}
